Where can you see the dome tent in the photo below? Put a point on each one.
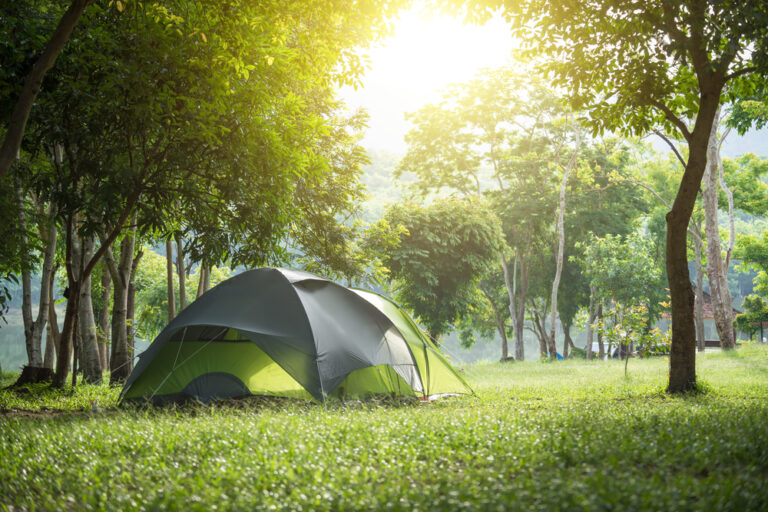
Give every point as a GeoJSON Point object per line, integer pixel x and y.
{"type": "Point", "coordinates": [287, 333]}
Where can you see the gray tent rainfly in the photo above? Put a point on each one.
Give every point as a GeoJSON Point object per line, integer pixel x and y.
{"type": "Point", "coordinates": [288, 333]}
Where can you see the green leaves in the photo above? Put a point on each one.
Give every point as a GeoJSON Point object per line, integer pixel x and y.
{"type": "Point", "coordinates": [447, 247]}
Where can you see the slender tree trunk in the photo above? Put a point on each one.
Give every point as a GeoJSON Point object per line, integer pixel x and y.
{"type": "Point", "coordinates": [699, 303]}
{"type": "Point", "coordinates": [106, 290]}
{"type": "Point", "coordinates": [46, 281]}
{"type": "Point", "coordinates": [567, 341]}
{"type": "Point", "coordinates": [75, 348]}
{"type": "Point", "coordinates": [88, 346]}
{"type": "Point", "coordinates": [682, 357]}
{"type": "Point", "coordinates": [180, 268]}
{"type": "Point", "coordinates": [34, 352]}
{"type": "Point", "coordinates": [590, 321]}
{"type": "Point", "coordinates": [560, 247]}
{"type": "Point", "coordinates": [207, 280]}
{"type": "Point", "coordinates": [201, 280]}
{"type": "Point", "coordinates": [517, 301]}
{"type": "Point", "coordinates": [54, 336]}
{"type": "Point", "coordinates": [731, 234]}
{"type": "Point", "coordinates": [49, 354]}
{"type": "Point", "coordinates": [731, 217]}
{"type": "Point", "coordinates": [34, 81]}
{"type": "Point", "coordinates": [67, 340]}
{"type": "Point", "coordinates": [169, 270]}
{"type": "Point", "coordinates": [131, 311]}
{"type": "Point", "coordinates": [67, 335]}
{"type": "Point", "coordinates": [539, 319]}
{"type": "Point", "coordinates": [600, 345]}
{"type": "Point", "coordinates": [120, 359]}
{"type": "Point", "coordinates": [722, 303]}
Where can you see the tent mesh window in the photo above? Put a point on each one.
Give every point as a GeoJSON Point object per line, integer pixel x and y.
{"type": "Point", "coordinates": [208, 333]}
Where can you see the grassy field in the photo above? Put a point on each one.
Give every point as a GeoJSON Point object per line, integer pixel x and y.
{"type": "Point", "coordinates": [536, 436]}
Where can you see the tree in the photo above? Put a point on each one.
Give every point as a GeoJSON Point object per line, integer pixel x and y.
{"type": "Point", "coordinates": [717, 269]}
{"type": "Point", "coordinates": [602, 202]}
{"type": "Point", "coordinates": [754, 316]}
{"type": "Point", "coordinates": [499, 135]}
{"type": "Point", "coordinates": [34, 80]}
{"type": "Point", "coordinates": [46, 235]}
{"type": "Point", "coordinates": [447, 247]}
{"type": "Point", "coordinates": [224, 131]}
{"type": "Point", "coordinates": [746, 176]}
{"type": "Point", "coordinates": [623, 272]}
{"type": "Point", "coordinates": [488, 314]}
{"type": "Point", "coordinates": [632, 67]}
{"type": "Point", "coordinates": [658, 176]}
{"type": "Point", "coordinates": [152, 297]}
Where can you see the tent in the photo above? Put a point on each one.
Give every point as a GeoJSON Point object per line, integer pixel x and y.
{"type": "Point", "coordinates": [278, 332]}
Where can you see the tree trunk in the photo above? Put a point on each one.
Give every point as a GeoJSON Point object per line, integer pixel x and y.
{"type": "Point", "coordinates": [120, 358]}
{"type": "Point", "coordinates": [731, 217]}
{"type": "Point", "coordinates": [201, 280]}
{"type": "Point", "coordinates": [699, 303]}
{"type": "Point", "coordinates": [67, 335]}
{"type": "Point", "coordinates": [34, 81]}
{"type": "Point", "coordinates": [731, 232]}
{"type": "Point", "coordinates": [517, 301]}
{"type": "Point", "coordinates": [181, 270]}
{"type": "Point", "coordinates": [590, 321]}
{"type": "Point", "coordinates": [88, 350]}
{"type": "Point", "coordinates": [207, 280]}
{"type": "Point", "coordinates": [106, 289]}
{"type": "Point", "coordinates": [32, 341]}
{"type": "Point", "coordinates": [53, 334]}
{"type": "Point", "coordinates": [49, 354]}
{"type": "Point", "coordinates": [560, 249]}
{"type": "Point", "coordinates": [600, 345]}
{"type": "Point", "coordinates": [169, 270]}
{"type": "Point", "coordinates": [567, 341]}
{"type": "Point", "coordinates": [500, 327]}
{"type": "Point", "coordinates": [722, 303]}
{"type": "Point", "coordinates": [131, 311]}
{"type": "Point", "coordinates": [538, 319]}
{"type": "Point", "coordinates": [682, 357]}
{"type": "Point", "coordinates": [46, 282]}
{"type": "Point", "coordinates": [72, 294]}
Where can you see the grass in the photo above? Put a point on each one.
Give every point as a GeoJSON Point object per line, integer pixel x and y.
{"type": "Point", "coordinates": [536, 436]}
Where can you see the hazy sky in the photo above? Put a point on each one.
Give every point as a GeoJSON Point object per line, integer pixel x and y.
{"type": "Point", "coordinates": [429, 51]}
{"type": "Point", "coordinates": [426, 53]}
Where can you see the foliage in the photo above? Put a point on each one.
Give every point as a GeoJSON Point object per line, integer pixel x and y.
{"type": "Point", "coordinates": [748, 113]}
{"type": "Point", "coordinates": [235, 139]}
{"type": "Point", "coordinates": [488, 313]}
{"type": "Point", "coordinates": [744, 176]}
{"type": "Point", "coordinates": [628, 327]}
{"type": "Point", "coordinates": [627, 64]}
{"type": "Point", "coordinates": [622, 268]}
{"type": "Point", "coordinates": [447, 246]}
{"type": "Point", "coordinates": [456, 454]}
{"type": "Point", "coordinates": [753, 250]}
{"type": "Point", "coordinates": [755, 312]}
{"type": "Point", "coordinates": [151, 314]}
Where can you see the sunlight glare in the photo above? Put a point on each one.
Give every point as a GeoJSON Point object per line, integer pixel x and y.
{"type": "Point", "coordinates": [427, 52]}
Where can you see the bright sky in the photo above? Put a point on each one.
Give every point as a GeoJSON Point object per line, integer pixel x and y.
{"type": "Point", "coordinates": [427, 52]}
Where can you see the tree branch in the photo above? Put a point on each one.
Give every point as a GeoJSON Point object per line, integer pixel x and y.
{"type": "Point", "coordinates": [672, 118]}
{"type": "Point", "coordinates": [740, 72]}
{"type": "Point", "coordinates": [672, 146]}
{"type": "Point", "coordinates": [34, 81]}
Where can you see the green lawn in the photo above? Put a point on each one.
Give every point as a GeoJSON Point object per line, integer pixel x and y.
{"type": "Point", "coordinates": [536, 436]}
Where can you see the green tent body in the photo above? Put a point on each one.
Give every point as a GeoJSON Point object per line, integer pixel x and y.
{"type": "Point", "coordinates": [277, 332]}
